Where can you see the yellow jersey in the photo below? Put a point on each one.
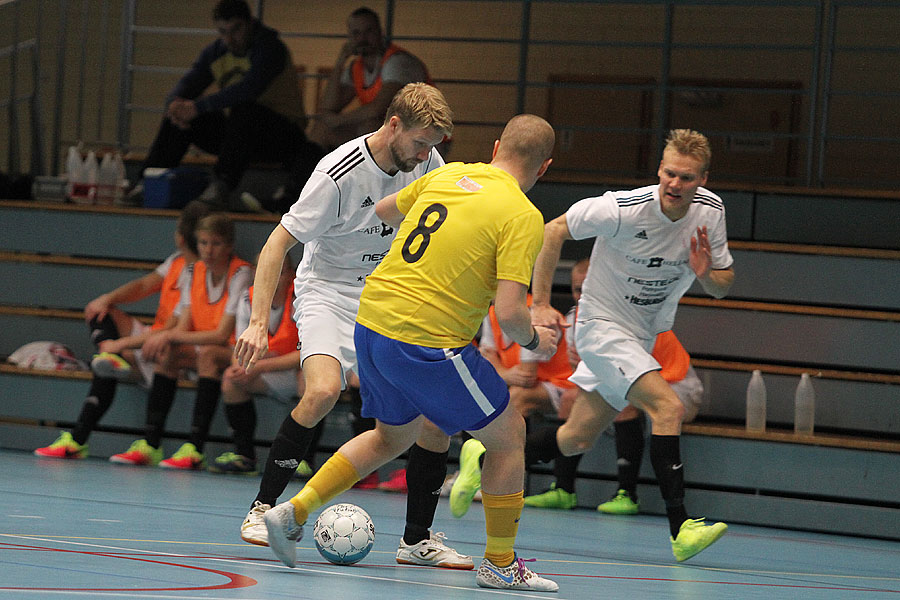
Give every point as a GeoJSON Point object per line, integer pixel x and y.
{"type": "Point", "coordinates": [466, 226]}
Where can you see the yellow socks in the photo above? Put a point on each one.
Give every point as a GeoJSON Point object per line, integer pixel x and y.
{"type": "Point", "coordinates": [501, 517]}
{"type": "Point", "coordinates": [337, 475]}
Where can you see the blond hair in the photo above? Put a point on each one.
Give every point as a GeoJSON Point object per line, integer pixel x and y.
{"type": "Point", "coordinates": [218, 224]}
{"type": "Point", "coordinates": [528, 138]}
{"type": "Point", "coordinates": [420, 106]}
{"type": "Point", "coordinates": [691, 143]}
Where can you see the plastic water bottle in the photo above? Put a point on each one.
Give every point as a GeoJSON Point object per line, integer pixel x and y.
{"type": "Point", "coordinates": [92, 172]}
{"type": "Point", "coordinates": [74, 174]}
{"type": "Point", "coordinates": [119, 166]}
{"type": "Point", "coordinates": [107, 180]}
{"type": "Point", "coordinates": [804, 406]}
{"type": "Point", "coordinates": [756, 403]}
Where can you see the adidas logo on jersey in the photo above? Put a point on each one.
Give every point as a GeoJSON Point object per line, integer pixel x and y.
{"type": "Point", "coordinates": [367, 202]}
{"type": "Point", "coordinates": [641, 235]}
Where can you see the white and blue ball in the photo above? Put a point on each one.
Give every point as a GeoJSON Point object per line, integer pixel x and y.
{"type": "Point", "coordinates": [344, 534]}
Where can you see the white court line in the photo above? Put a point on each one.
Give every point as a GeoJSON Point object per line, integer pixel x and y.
{"type": "Point", "coordinates": [105, 520]}
{"type": "Point", "coordinates": [304, 569]}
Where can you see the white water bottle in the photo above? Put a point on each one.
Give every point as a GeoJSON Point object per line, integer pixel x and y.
{"type": "Point", "coordinates": [74, 174]}
{"type": "Point", "coordinates": [107, 180]}
{"type": "Point", "coordinates": [119, 166]}
{"type": "Point", "coordinates": [804, 406]}
{"type": "Point", "coordinates": [92, 172]}
{"type": "Point", "coordinates": [756, 403]}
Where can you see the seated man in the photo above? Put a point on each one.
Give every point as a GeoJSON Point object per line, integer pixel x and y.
{"type": "Point", "coordinates": [629, 424]}
{"type": "Point", "coordinates": [278, 375]}
{"type": "Point", "coordinates": [119, 336]}
{"type": "Point", "coordinates": [376, 73]}
{"type": "Point", "coordinates": [535, 384]}
{"type": "Point", "coordinates": [257, 113]}
{"type": "Point", "coordinates": [200, 341]}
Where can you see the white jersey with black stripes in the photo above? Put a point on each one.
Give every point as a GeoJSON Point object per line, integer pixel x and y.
{"type": "Point", "coordinates": [344, 240]}
{"type": "Point", "coordinates": [640, 261]}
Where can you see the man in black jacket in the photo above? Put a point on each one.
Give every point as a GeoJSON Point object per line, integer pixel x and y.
{"type": "Point", "coordinates": [256, 114]}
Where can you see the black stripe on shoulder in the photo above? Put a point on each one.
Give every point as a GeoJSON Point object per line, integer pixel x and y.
{"type": "Point", "coordinates": [712, 199]}
{"type": "Point", "coordinates": [340, 167]}
{"type": "Point", "coordinates": [347, 168]}
{"type": "Point", "coordinates": [710, 202]}
{"type": "Point", "coordinates": [635, 200]}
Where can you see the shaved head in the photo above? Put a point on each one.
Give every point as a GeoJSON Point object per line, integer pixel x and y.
{"type": "Point", "coordinates": [528, 139]}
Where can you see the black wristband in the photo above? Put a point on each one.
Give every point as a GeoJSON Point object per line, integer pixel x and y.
{"type": "Point", "coordinates": [535, 340]}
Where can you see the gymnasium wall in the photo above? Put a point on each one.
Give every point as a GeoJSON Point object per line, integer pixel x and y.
{"type": "Point", "coordinates": [476, 41]}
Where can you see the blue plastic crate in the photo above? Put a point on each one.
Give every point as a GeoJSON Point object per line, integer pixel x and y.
{"type": "Point", "coordinates": [173, 188]}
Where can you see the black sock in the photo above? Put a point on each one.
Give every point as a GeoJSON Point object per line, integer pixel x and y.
{"type": "Point", "coordinates": [208, 392]}
{"type": "Point", "coordinates": [541, 446]}
{"type": "Point", "coordinates": [358, 423]}
{"type": "Point", "coordinates": [98, 401]}
{"type": "Point", "coordinates": [159, 402]}
{"type": "Point", "coordinates": [310, 456]}
{"type": "Point", "coordinates": [630, 451]}
{"type": "Point", "coordinates": [242, 420]}
{"type": "Point", "coordinates": [103, 329]}
{"type": "Point", "coordinates": [425, 473]}
{"type": "Point", "coordinates": [665, 456]}
{"type": "Point", "coordinates": [565, 469]}
{"type": "Point", "coordinates": [288, 448]}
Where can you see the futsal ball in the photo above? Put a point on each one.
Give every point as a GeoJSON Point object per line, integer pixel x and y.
{"type": "Point", "coordinates": [344, 534]}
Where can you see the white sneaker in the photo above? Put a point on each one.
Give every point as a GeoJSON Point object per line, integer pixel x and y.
{"type": "Point", "coordinates": [433, 553]}
{"type": "Point", "coordinates": [449, 480]}
{"type": "Point", "coordinates": [514, 577]}
{"type": "Point", "coordinates": [283, 532]}
{"type": "Point", "coordinates": [253, 529]}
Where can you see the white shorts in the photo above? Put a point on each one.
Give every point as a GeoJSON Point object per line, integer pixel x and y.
{"type": "Point", "coordinates": [326, 318]}
{"type": "Point", "coordinates": [281, 384]}
{"type": "Point", "coordinates": [145, 367]}
{"type": "Point", "coordinates": [690, 391]}
{"type": "Point", "coordinates": [612, 359]}
{"type": "Point", "coordinates": [554, 392]}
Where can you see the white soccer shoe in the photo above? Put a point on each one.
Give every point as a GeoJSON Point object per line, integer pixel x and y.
{"type": "Point", "coordinates": [516, 576]}
{"type": "Point", "coordinates": [253, 529]}
{"type": "Point", "coordinates": [433, 553]}
{"type": "Point", "coordinates": [283, 532]}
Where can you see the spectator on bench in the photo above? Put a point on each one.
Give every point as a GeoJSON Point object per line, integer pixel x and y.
{"type": "Point", "coordinates": [256, 114]}
{"type": "Point", "coordinates": [119, 336]}
{"type": "Point", "coordinates": [201, 340]}
{"type": "Point", "coordinates": [376, 71]}
{"type": "Point", "coordinates": [628, 424]}
{"type": "Point", "coordinates": [278, 374]}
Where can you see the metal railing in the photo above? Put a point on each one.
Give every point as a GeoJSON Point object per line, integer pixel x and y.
{"type": "Point", "coordinates": [810, 141]}
{"type": "Point", "coordinates": [15, 99]}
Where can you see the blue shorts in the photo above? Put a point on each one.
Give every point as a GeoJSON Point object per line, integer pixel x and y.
{"type": "Point", "coordinates": [456, 389]}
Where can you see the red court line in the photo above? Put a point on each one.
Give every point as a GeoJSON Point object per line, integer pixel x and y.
{"type": "Point", "coordinates": [234, 580]}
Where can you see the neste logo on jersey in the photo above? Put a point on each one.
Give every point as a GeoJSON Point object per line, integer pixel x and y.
{"type": "Point", "coordinates": [376, 258]}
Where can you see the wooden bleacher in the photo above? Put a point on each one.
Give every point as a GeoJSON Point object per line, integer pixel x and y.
{"type": "Point", "coordinates": [59, 260]}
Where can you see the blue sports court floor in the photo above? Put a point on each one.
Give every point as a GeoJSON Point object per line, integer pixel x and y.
{"type": "Point", "coordinates": [90, 529]}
